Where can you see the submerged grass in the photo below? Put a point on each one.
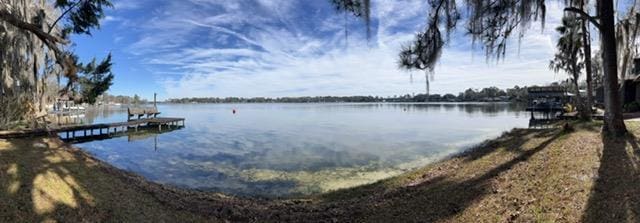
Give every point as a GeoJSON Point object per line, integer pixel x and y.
{"type": "Point", "coordinates": [525, 175]}
{"type": "Point", "coordinates": [548, 175]}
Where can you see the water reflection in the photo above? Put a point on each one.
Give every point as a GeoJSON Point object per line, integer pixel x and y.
{"type": "Point", "coordinates": [544, 119]}
{"type": "Point", "coordinates": [291, 149]}
{"type": "Point", "coordinates": [132, 135]}
{"type": "Point", "coordinates": [92, 114]}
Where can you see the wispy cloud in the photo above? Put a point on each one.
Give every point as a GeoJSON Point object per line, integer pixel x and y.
{"type": "Point", "coordinates": [127, 4]}
{"type": "Point", "coordinates": [294, 48]}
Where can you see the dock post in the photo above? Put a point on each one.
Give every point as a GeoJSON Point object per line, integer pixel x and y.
{"type": "Point", "coordinates": [67, 135]}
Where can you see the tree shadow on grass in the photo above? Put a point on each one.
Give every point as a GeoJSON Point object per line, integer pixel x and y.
{"type": "Point", "coordinates": [512, 141]}
{"type": "Point", "coordinates": [442, 197]}
{"type": "Point", "coordinates": [38, 183]}
{"type": "Point", "coordinates": [44, 180]}
{"type": "Point", "coordinates": [615, 197]}
{"type": "Point", "coordinates": [95, 195]}
{"type": "Point", "coordinates": [433, 202]}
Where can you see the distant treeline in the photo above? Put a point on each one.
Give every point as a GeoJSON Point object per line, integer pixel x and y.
{"type": "Point", "coordinates": [470, 95]}
{"type": "Point", "coordinates": [120, 99]}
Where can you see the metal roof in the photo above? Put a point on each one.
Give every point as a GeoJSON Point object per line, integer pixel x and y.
{"type": "Point", "coordinates": [550, 91]}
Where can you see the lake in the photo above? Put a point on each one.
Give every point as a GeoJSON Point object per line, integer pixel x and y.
{"type": "Point", "coordinates": [275, 150]}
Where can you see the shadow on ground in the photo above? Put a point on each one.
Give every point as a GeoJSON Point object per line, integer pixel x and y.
{"type": "Point", "coordinates": [441, 196]}
{"type": "Point", "coordinates": [42, 180]}
{"type": "Point", "coordinates": [615, 196]}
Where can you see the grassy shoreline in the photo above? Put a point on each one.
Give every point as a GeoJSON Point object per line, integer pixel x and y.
{"type": "Point", "coordinates": [524, 175]}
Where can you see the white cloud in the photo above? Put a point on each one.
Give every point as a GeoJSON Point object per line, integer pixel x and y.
{"type": "Point", "coordinates": [281, 48]}
{"type": "Point", "coordinates": [126, 4]}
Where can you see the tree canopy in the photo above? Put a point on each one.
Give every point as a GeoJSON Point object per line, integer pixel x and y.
{"type": "Point", "coordinates": [493, 22]}
{"type": "Point", "coordinates": [35, 47]}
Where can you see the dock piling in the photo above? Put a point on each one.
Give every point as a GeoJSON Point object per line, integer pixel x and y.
{"type": "Point", "coordinates": [69, 132]}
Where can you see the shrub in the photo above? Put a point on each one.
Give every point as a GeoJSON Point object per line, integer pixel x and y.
{"type": "Point", "coordinates": [632, 107]}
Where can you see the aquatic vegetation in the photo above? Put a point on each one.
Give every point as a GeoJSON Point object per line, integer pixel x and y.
{"type": "Point", "coordinates": [280, 150]}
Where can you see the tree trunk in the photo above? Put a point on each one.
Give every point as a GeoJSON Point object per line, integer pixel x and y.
{"type": "Point", "coordinates": [35, 81]}
{"type": "Point", "coordinates": [47, 38]}
{"type": "Point", "coordinates": [613, 119]}
{"type": "Point", "coordinates": [582, 112]}
{"type": "Point", "coordinates": [586, 41]}
{"type": "Point", "coordinates": [623, 74]}
{"type": "Point", "coordinates": [50, 40]}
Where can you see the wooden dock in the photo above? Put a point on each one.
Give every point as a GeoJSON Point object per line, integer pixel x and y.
{"type": "Point", "coordinates": [72, 131]}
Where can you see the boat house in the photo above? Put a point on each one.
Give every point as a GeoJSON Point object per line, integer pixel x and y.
{"type": "Point", "coordinates": [547, 99]}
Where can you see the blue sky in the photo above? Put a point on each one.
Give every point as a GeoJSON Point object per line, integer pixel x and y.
{"type": "Point", "coordinates": [269, 48]}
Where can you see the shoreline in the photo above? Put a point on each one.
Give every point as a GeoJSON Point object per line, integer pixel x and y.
{"type": "Point", "coordinates": [457, 187]}
{"type": "Point", "coordinates": [139, 179]}
{"type": "Point", "coordinates": [187, 197]}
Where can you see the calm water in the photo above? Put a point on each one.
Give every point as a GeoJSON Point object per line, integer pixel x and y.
{"type": "Point", "coordinates": [294, 149]}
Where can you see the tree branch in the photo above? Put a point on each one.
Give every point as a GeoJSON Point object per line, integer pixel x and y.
{"type": "Point", "coordinates": [45, 37]}
{"type": "Point", "coordinates": [50, 40]}
{"type": "Point", "coordinates": [62, 15]}
{"type": "Point", "coordinates": [584, 15]}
